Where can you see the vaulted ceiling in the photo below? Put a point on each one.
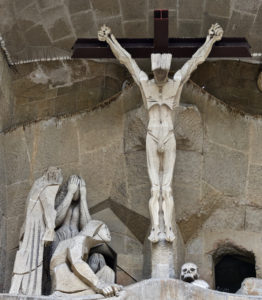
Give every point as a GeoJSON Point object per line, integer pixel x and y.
{"type": "Point", "coordinates": [38, 29]}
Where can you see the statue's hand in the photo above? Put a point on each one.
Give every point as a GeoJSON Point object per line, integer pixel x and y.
{"type": "Point", "coordinates": [73, 184]}
{"type": "Point", "coordinates": [82, 185]}
{"type": "Point", "coordinates": [108, 290]}
{"type": "Point", "coordinates": [104, 33]}
{"type": "Point", "coordinates": [216, 32]}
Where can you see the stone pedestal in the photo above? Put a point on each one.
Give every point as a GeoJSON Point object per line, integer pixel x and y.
{"type": "Point", "coordinates": [162, 254]}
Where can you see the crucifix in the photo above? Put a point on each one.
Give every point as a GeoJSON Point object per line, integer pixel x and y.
{"type": "Point", "coordinates": [161, 95]}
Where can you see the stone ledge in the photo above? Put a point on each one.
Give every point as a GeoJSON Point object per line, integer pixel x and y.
{"type": "Point", "coordinates": [154, 289]}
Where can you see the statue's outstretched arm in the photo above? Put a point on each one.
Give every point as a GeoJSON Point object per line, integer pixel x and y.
{"type": "Point", "coordinates": [121, 54]}
{"type": "Point", "coordinates": [214, 34]}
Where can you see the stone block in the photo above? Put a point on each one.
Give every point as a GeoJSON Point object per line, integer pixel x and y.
{"type": "Point", "coordinates": [218, 8]}
{"type": "Point", "coordinates": [258, 23]}
{"type": "Point", "coordinates": [188, 168]}
{"type": "Point", "coordinates": [103, 9]}
{"type": "Point", "coordinates": [136, 168]}
{"type": "Point", "coordinates": [256, 142]}
{"type": "Point", "coordinates": [37, 36]}
{"type": "Point", "coordinates": [227, 128]}
{"type": "Point", "coordinates": [188, 128]}
{"type": "Point", "coordinates": [17, 163]}
{"type": "Point", "coordinates": [44, 4]}
{"type": "Point", "coordinates": [253, 219]}
{"type": "Point", "coordinates": [254, 187]}
{"type": "Point", "coordinates": [226, 218]}
{"type": "Point", "coordinates": [133, 10]}
{"type": "Point", "coordinates": [78, 6]}
{"type": "Point", "coordinates": [21, 4]}
{"type": "Point", "coordinates": [225, 169]}
{"type": "Point", "coordinates": [28, 17]}
{"type": "Point", "coordinates": [65, 104]}
{"type": "Point", "coordinates": [239, 24]}
{"type": "Point", "coordinates": [139, 196]}
{"type": "Point", "coordinates": [160, 4]}
{"type": "Point", "coordinates": [187, 204]}
{"type": "Point", "coordinates": [190, 9]}
{"type": "Point", "coordinates": [59, 29]}
{"type": "Point", "coordinates": [65, 43]}
{"type": "Point", "coordinates": [17, 195]}
{"type": "Point", "coordinates": [84, 24]}
{"type": "Point", "coordinates": [251, 6]}
{"type": "Point", "coordinates": [99, 168]}
{"type": "Point", "coordinates": [135, 29]}
{"type": "Point", "coordinates": [52, 143]}
{"type": "Point", "coordinates": [100, 129]}
{"type": "Point", "coordinates": [189, 28]}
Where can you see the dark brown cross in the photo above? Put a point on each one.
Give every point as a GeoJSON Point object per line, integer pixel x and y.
{"type": "Point", "coordinates": [178, 47]}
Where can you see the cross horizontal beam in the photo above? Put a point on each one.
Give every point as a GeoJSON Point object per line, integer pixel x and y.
{"type": "Point", "coordinates": [178, 47]}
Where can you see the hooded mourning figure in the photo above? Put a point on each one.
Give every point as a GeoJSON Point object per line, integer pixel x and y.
{"type": "Point", "coordinates": [70, 271]}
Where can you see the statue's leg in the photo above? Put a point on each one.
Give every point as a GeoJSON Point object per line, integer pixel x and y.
{"type": "Point", "coordinates": [153, 164]}
{"type": "Point", "coordinates": [167, 197]}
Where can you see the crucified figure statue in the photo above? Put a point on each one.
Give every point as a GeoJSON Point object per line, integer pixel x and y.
{"type": "Point", "coordinates": [160, 96]}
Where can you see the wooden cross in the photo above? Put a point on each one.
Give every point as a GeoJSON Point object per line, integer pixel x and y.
{"type": "Point", "coordinates": [178, 47]}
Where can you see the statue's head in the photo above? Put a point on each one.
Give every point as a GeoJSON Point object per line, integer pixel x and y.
{"type": "Point", "coordinates": [160, 64]}
{"type": "Point", "coordinates": [97, 230]}
{"type": "Point", "coordinates": [53, 175]}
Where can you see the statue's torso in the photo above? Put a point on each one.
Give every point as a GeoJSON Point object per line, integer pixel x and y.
{"type": "Point", "coordinates": [160, 102]}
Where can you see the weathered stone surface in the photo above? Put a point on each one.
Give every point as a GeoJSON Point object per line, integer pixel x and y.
{"type": "Point", "coordinates": [190, 10]}
{"type": "Point", "coordinates": [78, 6]}
{"type": "Point", "coordinates": [256, 141]}
{"type": "Point", "coordinates": [253, 221]}
{"type": "Point", "coordinates": [218, 8]}
{"type": "Point", "coordinates": [84, 24]}
{"type": "Point", "coordinates": [240, 23]}
{"type": "Point", "coordinates": [225, 169]}
{"type": "Point", "coordinates": [102, 8]}
{"type": "Point", "coordinates": [217, 123]}
{"type": "Point", "coordinates": [187, 28]}
{"type": "Point", "coordinates": [254, 187]}
{"type": "Point", "coordinates": [133, 10]}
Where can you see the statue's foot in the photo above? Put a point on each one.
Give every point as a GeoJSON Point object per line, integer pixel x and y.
{"type": "Point", "coordinates": [169, 234]}
{"type": "Point", "coordinates": [154, 235]}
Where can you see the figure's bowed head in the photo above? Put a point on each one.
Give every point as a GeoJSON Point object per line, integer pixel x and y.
{"type": "Point", "coordinates": [160, 64]}
{"type": "Point", "coordinates": [97, 230]}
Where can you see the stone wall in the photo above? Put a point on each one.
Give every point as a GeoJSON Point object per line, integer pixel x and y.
{"type": "Point", "coordinates": [44, 90]}
{"type": "Point", "coordinates": [216, 183]}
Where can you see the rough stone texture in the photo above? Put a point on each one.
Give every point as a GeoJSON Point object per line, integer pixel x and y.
{"type": "Point", "coordinates": [51, 89]}
{"type": "Point", "coordinates": [36, 23]}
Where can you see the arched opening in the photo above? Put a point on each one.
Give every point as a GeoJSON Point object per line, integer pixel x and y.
{"type": "Point", "coordinates": [232, 266]}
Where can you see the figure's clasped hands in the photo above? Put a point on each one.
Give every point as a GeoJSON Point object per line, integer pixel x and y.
{"type": "Point", "coordinates": [216, 32]}
{"type": "Point", "coordinates": [104, 33]}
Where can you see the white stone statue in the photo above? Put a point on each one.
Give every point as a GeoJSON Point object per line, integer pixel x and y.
{"type": "Point", "coordinates": [161, 95]}
{"type": "Point", "coordinates": [37, 230]}
{"type": "Point", "coordinates": [189, 273]}
{"type": "Point", "coordinates": [72, 275]}
{"type": "Point", "coordinates": [72, 211]}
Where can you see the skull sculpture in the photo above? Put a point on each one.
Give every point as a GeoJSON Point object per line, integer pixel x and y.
{"type": "Point", "coordinates": [189, 272]}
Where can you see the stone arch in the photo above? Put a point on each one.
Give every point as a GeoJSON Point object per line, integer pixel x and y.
{"type": "Point", "coordinates": [232, 264]}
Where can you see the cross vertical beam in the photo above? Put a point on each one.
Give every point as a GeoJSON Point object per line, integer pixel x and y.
{"type": "Point", "coordinates": [160, 30]}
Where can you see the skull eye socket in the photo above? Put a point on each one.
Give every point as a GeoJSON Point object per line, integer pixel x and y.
{"type": "Point", "coordinates": [192, 269]}
{"type": "Point", "coordinates": [184, 270]}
